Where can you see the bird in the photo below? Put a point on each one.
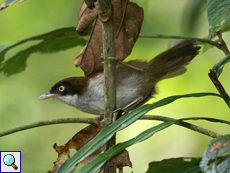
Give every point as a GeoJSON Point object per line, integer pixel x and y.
{"type": "Point", "coordinates": [86, 93]}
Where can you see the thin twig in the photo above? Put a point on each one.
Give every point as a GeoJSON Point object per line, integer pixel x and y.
{"type": "Point", "coordinates": [219, 87]}
{"type": "Point", "coordinates": [50, 122]}
{"type": "Point", "coordinates": [222, 42]}
{"type": "Point", "coordinates": [132, 67]}
{"type": "Point", "coordinates": [182, 123]}
{"type": "Point", "coordinates": [122, 20]}
{"type": "Point", "coordinates": [214, 43]}
{"type": "Point", "coordinates": [127, 65]}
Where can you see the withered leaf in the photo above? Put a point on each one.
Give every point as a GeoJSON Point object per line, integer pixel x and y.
{"type": "Point", "coordinates": [90, 3]}
{"type": "Point", "coordinates": [91, 57]}
{"type": "Point", "coordinates": [121, 160]}
{"type": "Point", "coordinates": [86, 17]}
{"type": "Point", "coordinates": [79, 140]}
{"type": "Point", "coordinates": [130, 18]}
{"type": "Point", "coordinates": [76, 142]}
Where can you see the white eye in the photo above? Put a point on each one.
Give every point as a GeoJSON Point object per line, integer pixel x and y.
{"type": "Point", "coordinates": [61, 88]}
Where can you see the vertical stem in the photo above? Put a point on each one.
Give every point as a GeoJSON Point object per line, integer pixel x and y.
{"type": "Point", "coordinates": [105, 14]}
{"type": "Point", "coordinates": [223, 44]}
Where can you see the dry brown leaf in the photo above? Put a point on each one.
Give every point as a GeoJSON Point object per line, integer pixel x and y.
{"type": "Point", "coordinates": [79, 140]}
{"type": "Point", "coordinates": [76, 142]}
{"type": "Point", "coordinates": [90, 3]}
{"type": "Point", "coordinates": [86, 17]}
{"type": "Point", "coordinates": [121, 160]}
{"type": "Point", "coordinates": [91, 57]}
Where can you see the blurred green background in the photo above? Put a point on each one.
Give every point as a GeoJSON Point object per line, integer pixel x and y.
{"type": "Point", "coordinates": [19, 93]}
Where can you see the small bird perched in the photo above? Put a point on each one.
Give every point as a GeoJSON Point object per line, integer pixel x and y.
{"type": "Point", "coordinates": [87, 94]}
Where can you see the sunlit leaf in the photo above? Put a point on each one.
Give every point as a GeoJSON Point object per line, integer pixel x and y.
{"type": "Point", "coordinates": [206, 47]}
{"type": "Point", "coordinates": [119, 124]}
{"type": "Point", "coordinates": [218, 15]}
{"type": "Point", "coordinates": [95, 164]}
{"type": "Point", "coordinates": [58, 40]}
{"type": "Point", "coordinates": [175, 165]}
{"type": "Point", "coordinates": [216, 157]}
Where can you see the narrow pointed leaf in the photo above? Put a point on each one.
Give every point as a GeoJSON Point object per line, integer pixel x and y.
{"type": "Point", "coordinates": [119, 124]}
{"type": "Point", "coordinates": [103, 137]}
{"type": "Point", "coordinates": [95, 164]}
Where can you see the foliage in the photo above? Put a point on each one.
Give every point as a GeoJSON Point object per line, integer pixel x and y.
{"type": "Point", "coordinates": [218, 13]}
{"type": "Point", "coordinates": [216, 156]}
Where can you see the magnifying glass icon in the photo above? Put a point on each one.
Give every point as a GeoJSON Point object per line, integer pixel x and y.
{"type": "Point", "coordinates": [9, 160]}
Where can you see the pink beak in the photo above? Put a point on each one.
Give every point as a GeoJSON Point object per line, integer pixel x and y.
{"type": "Point", "coordinates": [48, 95]}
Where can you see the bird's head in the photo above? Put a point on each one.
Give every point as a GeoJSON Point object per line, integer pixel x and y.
{"type": "Point", "coordinates": [66, 89]}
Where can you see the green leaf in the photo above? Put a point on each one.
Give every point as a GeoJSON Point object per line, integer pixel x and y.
{"type": "Point", "coordinates": [8, 3]}
{"type": "Point", "coordinates": [218, 15]}
{"type": "Point", "coordinates": [216, 157]}
{"type": "Point", "coordinates": [129, 118]}
{"type": "Point", "coordinates": [206, 47]}
{"type": "Point", "coordinates": [175, 165]}
{"type": "Point", "coordinates": [102, 137]}
{"type": "Point", "coordinates": [95, 164]}
{"type": "Point", "coordinates": [218, 67]}
{"type": "Point", "coordinates": [58, 40]}
{"type": "Point", "coordinates": [226, 28]}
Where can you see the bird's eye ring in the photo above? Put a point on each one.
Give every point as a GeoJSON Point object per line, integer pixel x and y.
{"type": "Point", "coordinates": [61, 88]}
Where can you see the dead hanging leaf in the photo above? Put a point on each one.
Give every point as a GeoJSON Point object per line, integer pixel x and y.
{"type": "Point", "coordinates": [128, 18]}
{"type": "Point", "coordinates": [76, 142]}
{"type": "Point", "coordinates": [86, 17]}
{"type": "Point", "coordinates": [90, 3]}
{"type": "Point", "coordinates": [121, 160]}
{"type": "Point", "coordinates": [79, 140]}
{"type": "Point", "coordinates": [90, 58]}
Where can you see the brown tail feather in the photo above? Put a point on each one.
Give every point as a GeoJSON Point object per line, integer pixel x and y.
{"type": "Point", "coordinates": [172, 62]}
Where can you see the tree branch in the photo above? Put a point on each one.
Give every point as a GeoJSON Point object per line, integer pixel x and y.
{"type": "Point", "coordinates": [219, 87]}
{"type": "Point", "coordinates": [214, 43]}
{"type": "Point", "coordinates": [223, 44]}
{"type": "Point", "coordinates": [50, 122]}
{"type": "Point", "coordinates": [105, 13]}
{"type": "Point", "coordinates": [183, 124]}
{"type": "Point", "coordinates": [97, 121]}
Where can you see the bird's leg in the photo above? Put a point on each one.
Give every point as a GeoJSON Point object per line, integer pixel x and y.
{"type": "Point", "coordinates": [125, 64]}
{"type": "Point", "coordinates": [133, 104]}
{"type": "Point", "coordinates": [130, 106]}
